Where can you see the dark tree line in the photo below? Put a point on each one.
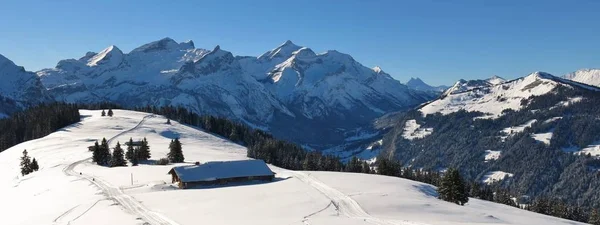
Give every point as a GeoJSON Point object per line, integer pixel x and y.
{"type": "Point", "coordinates": [36, 122]}
{"type": "Point", "coordinates": [260, 144]}
{"type": "Point", "coordinates": [102, 156]}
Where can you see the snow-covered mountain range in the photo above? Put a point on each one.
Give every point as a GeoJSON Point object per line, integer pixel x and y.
{"type": "Point", "coordinates": [586, 76]}
{"type": "Point", "coordinates": [291, 91]}
{"type": "Point", "coordinates": [18, 88]}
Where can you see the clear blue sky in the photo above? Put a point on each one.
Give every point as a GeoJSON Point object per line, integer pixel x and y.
{"type": "Point", "coordinates": [439, 41]}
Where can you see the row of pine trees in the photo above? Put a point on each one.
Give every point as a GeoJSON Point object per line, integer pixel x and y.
{"type": "Point", "coordinates": [102, 156]}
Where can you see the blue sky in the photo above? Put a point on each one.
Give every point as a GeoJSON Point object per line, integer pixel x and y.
{"type": "Point", "coordinates": [439, 41]}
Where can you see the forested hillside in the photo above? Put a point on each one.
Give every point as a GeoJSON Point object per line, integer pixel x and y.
{"type": "Point", "coordinates": [547, 148]}
{"type": "Point", "coordinates": [36, 122]}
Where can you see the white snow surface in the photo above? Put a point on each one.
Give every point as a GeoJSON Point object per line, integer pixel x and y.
{"type": "Point", "coordinates": [510, 131]}
{"type": "Point", "coordinates": [101, 195]}
{"type": "Point", "coordinates": [413, 130]}
{"type": "Point", "coordinates": [592, 149]}
{"type": "Point", "coordinates": [543, 137]}
{"type": "Point", "coordinates": [495, 176]}
{"type": "Point", "coordinates": [492, 100]}
{"type": "Point", "coordinates": [492, 155]}
{"type": "Point", "coordinates": [495, 80]}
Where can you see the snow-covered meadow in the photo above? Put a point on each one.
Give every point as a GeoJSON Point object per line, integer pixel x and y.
{"type": "Point", "coordinates": [59, 194]}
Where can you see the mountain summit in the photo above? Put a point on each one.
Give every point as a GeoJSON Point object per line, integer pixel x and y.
{"type": "Point", "coordinates": [290, 90]}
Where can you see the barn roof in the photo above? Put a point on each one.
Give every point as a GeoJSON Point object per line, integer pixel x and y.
{"type": "Point", "coordinates": [222, 170]}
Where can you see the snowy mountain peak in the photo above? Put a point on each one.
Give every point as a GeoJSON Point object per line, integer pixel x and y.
{"type": "Point", "coordinates": [420, 85]}
{"type": "Point", "coordinates": [285, 50]}
{"type": "Point", "coordinates": [495, 80]}
{"type": "Point", "coordinates": [162, 45]}
{"type": "Point", "coordinates": [188, 43]}
{"type": "Point", "coordinates": [586, 76]}
{"type": "Point", "coordinates": [110, 55]}
{"type": "Point", "coordinates": [466, 85]}
{"type": "Point", "coordinates": [541, 75]}
{"type": "Point", "coordinates": [215, 61]}
{"type": "Point", "coordinates": [304, 52]}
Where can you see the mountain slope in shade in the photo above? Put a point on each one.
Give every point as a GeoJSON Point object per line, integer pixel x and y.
{"type": "Point", "coordinates": [18, 88]}
{"type": "Point", "coordinates": [290, 90]}
{"type": "Point", "coordinates": [586, 76]}
{"type": "Point", "coordinates": [418, 84]}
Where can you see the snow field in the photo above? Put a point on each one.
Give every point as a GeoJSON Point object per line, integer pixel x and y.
{"type": "Point", "coordinates": [62, 196]}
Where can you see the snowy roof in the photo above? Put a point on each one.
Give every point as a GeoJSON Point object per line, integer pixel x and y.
{"type": "Point", "coordinates": [222, 170]}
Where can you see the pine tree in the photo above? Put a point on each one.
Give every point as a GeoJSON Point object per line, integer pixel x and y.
{"type": "Point", "coordinates": [104, 153]}
{"type": "Point", "coordinates": [118, 157]}
{"type": "Point", "coordinates": [34, 165]}
{"type": "Point", "coordinates": [354, 165]}
{"type": "Point", "coordinates": [135, 160]}
{"type": "Point", "coordinates": [25, 164]}
{"type": "Point", "coordinates": [110, 112]}
{"type": "Point", "coordinates": [130, 154]}
{"type": "Point", "coordinates": [96, 153]}
{"type": "Point", "coordinates": [144, 151]}
{"type": "Point", "coordinates": [175, 152]}
{"type": "Point", "coordinates": [452, 188]}
{"type": "Point", "coordinates": [365, 167]}
{"type": "Point", "coordinates": [103, 113]}
{"type": "Point", "coordinates": [594, 217]}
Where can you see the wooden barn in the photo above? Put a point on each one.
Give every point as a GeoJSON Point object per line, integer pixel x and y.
{"type": "Point", "coordinates": [212, 173]}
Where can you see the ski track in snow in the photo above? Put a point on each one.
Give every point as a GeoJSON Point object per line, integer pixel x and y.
{"type": "Point", "coordinates": [343, 203]}
{"type": "Point", "coordinates": [126, 201]}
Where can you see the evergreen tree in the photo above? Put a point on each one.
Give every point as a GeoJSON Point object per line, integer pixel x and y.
{"type": "Point", "coordinates": [354, 165]}
{"type": "Point", "coordinates": [25, 164]}
{"type": "Point", "coordinates": [103, 113]}
{"type": "Point", "coordinates": [594, 217]}
{"type": "Point", "coordinates": [118, 157]}
{"type": "Point", "coordinates": [503, 197]}
{"type": "Point", "coordinates": [130, 154]}
{"type": "Point", "coordinates": [452, 188]}
{"type": "Point", "coordinates": [168, 121]}
{"type": "Point", "coordinates": [175, 152]}
{"type": "Point", "coordinates": [104, 153]}
{"type": "Point", "coordinates": [365, 167]}
{"type": "Point", "coordinates": [34, 165]}
{"type": "Point", "coordinates": [135, 160]}
{"type": "Point", "coordinates": [110, 112]}
{"type": "Point", "coordinates": [144, 151]}
{"type": "Point", "coordinates": [96, 153]}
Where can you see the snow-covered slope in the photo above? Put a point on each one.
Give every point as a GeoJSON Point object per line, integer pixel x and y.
{"type": "Point", "coordinates": [465, 85]}
{"type": "Point", "coordinates": [586, 76]}
{"type": "Point", "coordinates": [495, 80]}
{"type": "Point", "coordinates": [287, 90]}
{"type": "Point", "coordinates": [69, 189]}
{"type": "Point", "coordinates": [492, 100]}
{"type": "Point", "coordinates": [418, 84]}
{"type": "Point", "coordinates": [18, 88]}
